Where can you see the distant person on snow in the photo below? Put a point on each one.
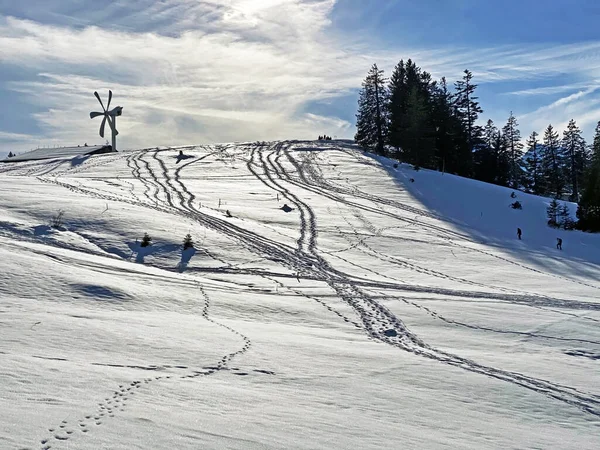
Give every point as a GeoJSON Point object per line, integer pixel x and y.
{"type": "Point", "coordinates": [559, 243]}
{"type": "Point", "coordinates": [519, 233]}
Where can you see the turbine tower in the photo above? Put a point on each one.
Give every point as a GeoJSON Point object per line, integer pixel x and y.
{"type": "Point", "coordinates": [110, 116]}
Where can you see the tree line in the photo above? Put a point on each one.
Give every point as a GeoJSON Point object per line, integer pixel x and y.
{"type": "Point", "coordinates": [426, 123]}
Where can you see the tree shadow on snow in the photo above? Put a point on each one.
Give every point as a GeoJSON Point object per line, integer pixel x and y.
{"type": "Point", "coordinates": [180, 158]}
{"type": "Point", "coordinates": [79, 160]}
{"type": "Point", "coordinates": [99, 292]}
{"type": "Point", "coordinates": [142, 252]}
{"type": "Point", "coordinates": [186, 256]}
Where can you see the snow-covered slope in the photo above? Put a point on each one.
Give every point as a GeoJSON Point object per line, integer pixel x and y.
{"type": "Point", "coordinates": [378, 313]}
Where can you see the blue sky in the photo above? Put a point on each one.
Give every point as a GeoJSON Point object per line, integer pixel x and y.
{"type": "Point", "coordinates": [193, 71]}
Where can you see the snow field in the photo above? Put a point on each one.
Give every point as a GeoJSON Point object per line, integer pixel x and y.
{"type": "Point", "coordinates": [275, 333]}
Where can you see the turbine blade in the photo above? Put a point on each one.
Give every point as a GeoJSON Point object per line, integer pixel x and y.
{"type": "Point", "coordinates": [109, 98]}
{"type": "Point", "coordinates": [95, 114]}
{"type": "Point", "coordinates": [98, 97]}
{"type": "Point", "coordinates": [102, 126]}
{"type": "Point", "coordinates": [111, 124]}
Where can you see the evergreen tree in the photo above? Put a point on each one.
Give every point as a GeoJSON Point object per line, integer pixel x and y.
{"type": "Point", "coordinates": [188, 242]}
{"type": "Point", "coordinates": [575, 156]}
{"type": "Point", "coordinates": [452, 153]}
{"type": "Point", "coordinates": [398, 98]}
{"type": "Point", "coordinates": [485, 159]}
{"type": "Point", "coordinates": [411, 114]}
{"type": "Point", "coordinates": [533, 166]}
{"type": "Point", "coordinates": [468, 108]}
{"type": "Point", "coordinates": [552, 167]}
{"type": "Point", "coordinates": [588, 211]}
{"type": "Point", "coordinates": [502, 177]}
{"type": "Point", "coordinates": [552, 213]}
{"type": "Point", "coordinates": [418, 149]}
{"type": "Point", "coordinates": [514, 147]}
{"type": "Point", "coordinates": [371, 124]}
{"type": "Point", "coordinates": [564, 217]}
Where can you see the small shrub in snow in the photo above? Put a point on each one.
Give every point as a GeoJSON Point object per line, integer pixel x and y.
{"type": "Point", "coordinates": [57, 220]}
{"type": "Point", "coordinates": [416, 167]}
{"type": "Point", "coordinates": [146, 240]}
{"type": "Point", "coordinates": [516, 205]}
{"type": "Point", "coordinates": [395, 165]}
{"type": "Point", "coordinates": [188, 242]}
{"type": "Point", "coordinates": [513, 195]}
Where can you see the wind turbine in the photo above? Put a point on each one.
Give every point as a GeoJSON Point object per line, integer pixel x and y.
{"type": "Point", "coordinates": [110, 116]}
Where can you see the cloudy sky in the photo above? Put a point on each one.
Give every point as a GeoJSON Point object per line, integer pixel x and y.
{"type": "Point", "coordinates": [203, 71]}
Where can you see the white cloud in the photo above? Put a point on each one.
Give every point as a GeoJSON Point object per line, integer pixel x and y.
{"type": "Point", "coordinates": [252, 76]}
{"type": "Point", "coordinates": [14, 137]}
{"type": "Point", "coordinates": [581, 106]}
{"type": "Point", "coordinates": [221, 70]}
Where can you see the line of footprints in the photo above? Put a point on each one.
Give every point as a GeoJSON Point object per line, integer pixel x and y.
{"type": "Point", "coordinates": [108, 408]}
{"type": "Point", "coordinates": [118, 402]}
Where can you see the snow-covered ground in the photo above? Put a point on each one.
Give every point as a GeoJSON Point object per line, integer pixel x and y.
{"type": "Point", "coordinates": [379, 313]}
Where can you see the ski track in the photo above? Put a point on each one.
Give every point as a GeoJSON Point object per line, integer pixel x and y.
{"type": "Point", "coordinates": [375, 318]}
{"type": "Point", "coordinates": [382, 200]}
{"type": "Point", "coordinates": [378, 320]}
{"type": "Point", "coordinates": [435, 315]}
{"type": "Point", "coordinates": [516, 296]}
{"type": "Point", "coordinates": [538, 300]}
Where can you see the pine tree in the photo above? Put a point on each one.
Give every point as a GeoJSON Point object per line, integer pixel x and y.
{"type": "Point", "coordinates": [502, 174]}
{"type": "Point", "coordinates": [188, 242]}
{"type": "Point", "coordinates": [533, 166]}
{"type": "Point", "coordinates": [468, 108]}
{"type": "Point", "coordinates": [588, 211]}
{"type": "Point", "coordinates": [485, 159]}
{"type": "Point", "coordinates": [451, 151]}
{"type": "Point", "coordinates": [398, 97]}
{"type": "Point", "coordinates": [552, 213]}
{"type": "Point", "coordinates": [575, 156]}
{"type": "Point", "coordinates": [418, 149]}
{"type": "Point", "coordinates": [411, 115]}
{"type": "Point", "coordinates": [552, 166]}
{"type": "Point", "coordinates": [564, 217]}
{"type": "Point", "coordinates": [371, 124]}
{"type": "Point", "coordinates": [514, 146]}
